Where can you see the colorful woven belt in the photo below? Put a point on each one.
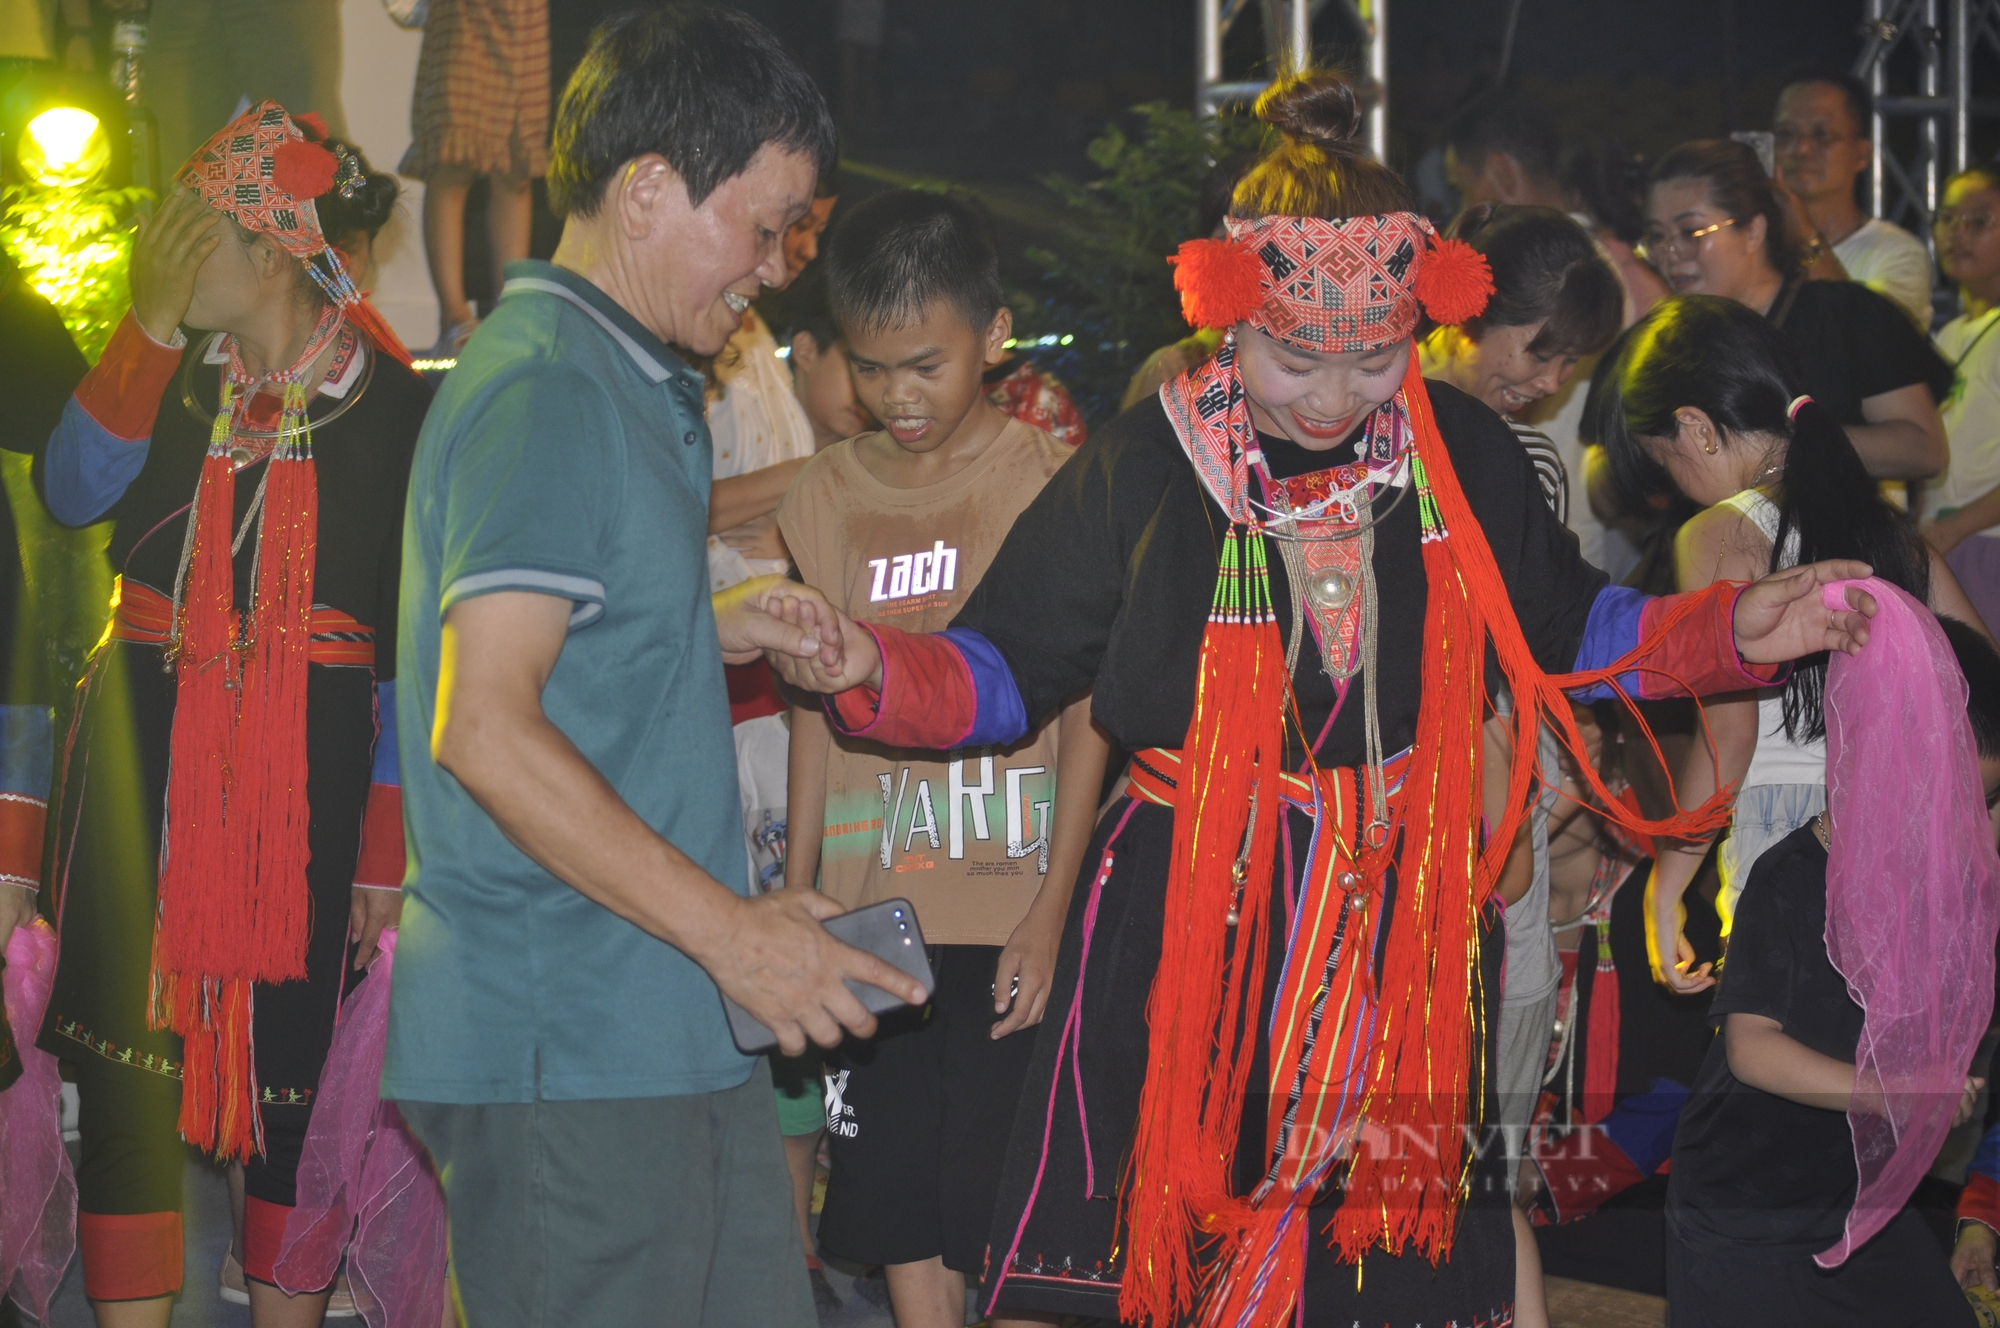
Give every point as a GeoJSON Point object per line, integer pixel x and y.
{"type": "Point", "coordinates": [143, 615]}
{"type": "Point", "coordinates": [1154, 776]}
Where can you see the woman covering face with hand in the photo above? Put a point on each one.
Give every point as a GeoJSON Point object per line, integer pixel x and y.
{"type": "Point", "coordinates": [228, 817]}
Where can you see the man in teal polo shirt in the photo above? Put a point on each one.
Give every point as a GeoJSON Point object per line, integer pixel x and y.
{"type": "Point", "coordinates": [577, 889]}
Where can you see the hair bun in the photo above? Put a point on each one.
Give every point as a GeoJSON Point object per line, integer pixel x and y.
{"type": "Point", "coordinates": [375, 201]}
{"type": "Point", "coordinates": [1317, 107]}
{"type": "Point", "coordinates": [367, 208]}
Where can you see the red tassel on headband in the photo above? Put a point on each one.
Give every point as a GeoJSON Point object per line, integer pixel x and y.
{"type": "Point", "coordinates": [1455, 282]}
{"type": "Point", "coordinates": [1220, 281]}
{"type": "Point", "coordinates": [1331, 285]}
{"type": "Point", "coordinates": [302, 169]}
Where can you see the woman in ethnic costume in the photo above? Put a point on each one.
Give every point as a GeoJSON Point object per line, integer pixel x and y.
{"type": "Point", "coordinates": [225, 808]}
{"type": "Point", "coordinates": [1258, 1097]}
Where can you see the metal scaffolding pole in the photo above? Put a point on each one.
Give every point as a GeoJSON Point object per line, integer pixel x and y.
{"type": "Point", "coordinates": [1292, 20]}
{"type": "Point", "coordinates": [1375, 23]}
{"type": "Point", "coordinates": [1944, 35]}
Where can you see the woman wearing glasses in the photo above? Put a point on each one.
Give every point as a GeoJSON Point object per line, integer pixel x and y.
{"type": "Point", "coordinates": [1715, 225]}
{"type": "Point", "coordinates": [1964, 522]}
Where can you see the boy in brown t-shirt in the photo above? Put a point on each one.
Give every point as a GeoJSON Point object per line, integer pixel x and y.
{"type": "Point", "coordinates": [897, 527]}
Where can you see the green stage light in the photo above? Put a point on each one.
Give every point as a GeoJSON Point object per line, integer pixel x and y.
{"type": "Point", "coordinates": [63, 148]}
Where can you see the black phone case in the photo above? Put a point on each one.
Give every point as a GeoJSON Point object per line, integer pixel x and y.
{"type": "Point", "coordinates": [887, 930]}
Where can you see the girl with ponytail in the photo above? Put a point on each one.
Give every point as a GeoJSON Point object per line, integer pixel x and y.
{"type": "Point", "coordinates": [1700, 397]}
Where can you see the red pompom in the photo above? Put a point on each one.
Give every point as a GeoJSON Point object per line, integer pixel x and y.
{"type": "Point", "coordinates": [1454, 282]}
{"type": "Point", "coordinates": [303, 170]}
{"type": "Point", "coordinates": [314, 126]}
{"type": "Point", "coordinates": [1221, 282]}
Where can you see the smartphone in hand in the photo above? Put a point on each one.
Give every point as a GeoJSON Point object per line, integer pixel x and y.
{"type": "Point", "coordinates": [887, 930]}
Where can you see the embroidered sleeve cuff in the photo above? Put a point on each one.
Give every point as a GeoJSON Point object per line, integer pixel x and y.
{"type": "Point", "coordinates": [380, 864]}
{"type": "Point", "coordinates": [940, 691]}
{"type": "Point", "coordinates": [122, 393]}
{"type": "Point", "coordinates": [1667, 645]}
{"type": "Point", "coordinates": [585, 594]}
{"type": "Point", "coordinates": [26, 755]}
{"type": "Point", "coordinates": [388, 768]}
{"type": "Point", "coordinates": [1979, 1201]}
{"type": "Point", "coordinates": [1582, 1170]}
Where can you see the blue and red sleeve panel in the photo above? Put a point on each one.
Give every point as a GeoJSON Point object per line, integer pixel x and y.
{"type": "Point", "coordinates": [946, 690]}
{"type": "Point", "coordinates": [940, 691]}
{"type": "Point", "coordinates": [1668, 645]}
{"type": "Point", "coordinates": [27, 758]}
{"type": "Point", "coordinates": [1979, 1201]}
{"type": "Point", "coordinates": [100, 444]}
{"type": "Point", "coordinates": [1588, 1166]}
{"type": "Point", "coordinates": [380, 865]}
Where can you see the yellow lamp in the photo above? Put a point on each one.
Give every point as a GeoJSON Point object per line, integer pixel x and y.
{"type": "Point", "coordinates": [63, 147]}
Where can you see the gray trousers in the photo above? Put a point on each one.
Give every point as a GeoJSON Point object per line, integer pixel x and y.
{"type": "Point", "coordinates": [668, 1211]}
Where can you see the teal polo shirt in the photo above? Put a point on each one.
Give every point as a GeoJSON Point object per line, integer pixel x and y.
{"type": "Point", "coordinates": [565, 455]}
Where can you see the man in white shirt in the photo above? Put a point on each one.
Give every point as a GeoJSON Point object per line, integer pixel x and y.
{"type": "Point", "coordinates": [1821, 133]}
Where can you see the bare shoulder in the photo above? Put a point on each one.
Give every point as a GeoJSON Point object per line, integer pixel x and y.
{"type": "Point", "coordinates": [1720, 544]}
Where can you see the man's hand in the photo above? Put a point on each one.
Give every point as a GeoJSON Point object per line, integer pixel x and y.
{"type": "Point", "coordinates": [859, 662]}
{"type": "Point", "coordinates": [774, 959]}
{"type": "Point", "coordinates": [371, 911]}
{"type": "Point", "coordinates": [775, 615]}
{"type": "Point", "coordinates": [1780, 616]}
{"type": "Point", "coordinates": [17, 909]}
{"type": "Point", "coordinates": [1027, 970]}
{"type": "Point", "coordinates": [167, 254]}
{"type": "Point", "coordinates": [1972, 1256]}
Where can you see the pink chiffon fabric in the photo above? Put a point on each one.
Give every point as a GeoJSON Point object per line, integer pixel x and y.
{"type": "Point", "coordinates": [1912, 895]}
{"type": "Point", "coordinates": [37, 1187]}
{"type": "Point", "coordinates": [365, 1183]}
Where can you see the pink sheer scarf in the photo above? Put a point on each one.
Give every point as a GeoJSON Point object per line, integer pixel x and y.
{"type": "Point", "coordinates": [365, 1183]}
{"type": "Point", "coordinates": [1912, 895]}
{"type": "Point", "coordinates": [38, 1217]}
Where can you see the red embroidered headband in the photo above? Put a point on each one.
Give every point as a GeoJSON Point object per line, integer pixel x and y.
{"type": "Point", "coordinates": [265, 168]}
{"type": "Point", "coordinates": [1331, 286]}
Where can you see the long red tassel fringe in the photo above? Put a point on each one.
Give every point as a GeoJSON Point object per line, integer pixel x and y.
{"type": "Point", "coordinates": [234, 907]}
{"type": "Point", "coordinates": [1184, 1147]}
{"type": "Point", "coordinates": [1188, 1239]}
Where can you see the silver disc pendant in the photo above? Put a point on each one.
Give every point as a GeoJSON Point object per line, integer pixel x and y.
{"type": "Point", "coordinates": [241, 456]}
{"type": "Point", "coordinates": [1330, 588]}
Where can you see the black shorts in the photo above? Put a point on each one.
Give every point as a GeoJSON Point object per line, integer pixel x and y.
{"type": "Point", "coordinates": [917, 1123]}
{"type": "Point", "coordinates": [1901, 1278]}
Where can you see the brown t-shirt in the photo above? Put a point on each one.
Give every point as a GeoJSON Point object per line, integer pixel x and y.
{"type": "Point", "coordinates": [966, 840]}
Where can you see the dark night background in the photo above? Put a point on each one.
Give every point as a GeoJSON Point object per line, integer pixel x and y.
{"type": "Point", "coordinates": [994, 95]}
{"type": "Point", "coordinates": [1000, 91]}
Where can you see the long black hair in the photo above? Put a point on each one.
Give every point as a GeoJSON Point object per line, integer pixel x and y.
{"type": "Point", "coordinates": [1716, 355]}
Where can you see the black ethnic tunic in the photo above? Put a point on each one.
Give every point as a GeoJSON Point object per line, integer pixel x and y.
{"type": "Point", "coordinates": [1106, 582]}
{"type": "Point", "coordinates": [112, 781]}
